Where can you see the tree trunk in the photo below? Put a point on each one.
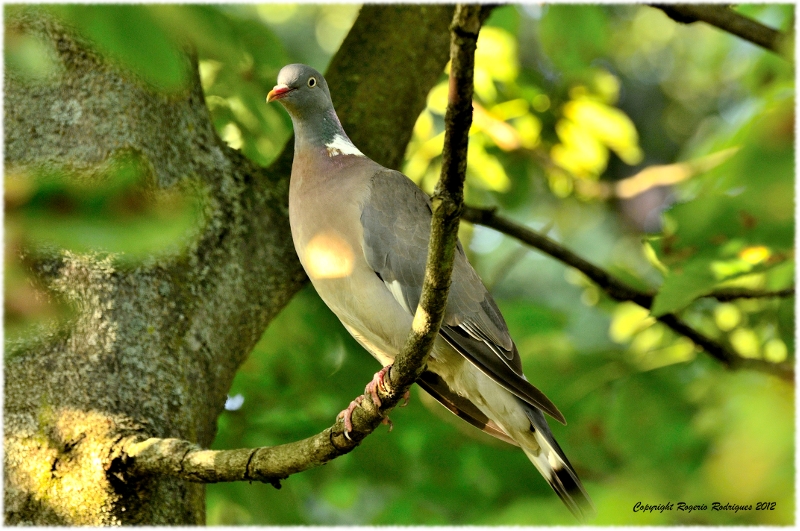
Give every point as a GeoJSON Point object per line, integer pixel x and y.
{"type": "Point", "coordinates": [152, 348]}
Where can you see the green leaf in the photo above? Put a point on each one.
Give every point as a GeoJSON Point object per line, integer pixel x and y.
{"type": "Point", "coordinates": [131, 35]}
{"type": "Point", "coordinates": [573, 36]}
{"type": "Point", "coordinates": [112, 212]}
{"type": "Point", "coordinates": [682, 285]}
{"type": "Point", "coordinates": [734, 213]}
{"type": "Point", "coordinates": [28, 56]}
{"type": "Point", "coordinates": [652, 257]}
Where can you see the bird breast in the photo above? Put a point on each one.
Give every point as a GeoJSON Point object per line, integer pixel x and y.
{"type": "Point", "coordinates": [325, 219]}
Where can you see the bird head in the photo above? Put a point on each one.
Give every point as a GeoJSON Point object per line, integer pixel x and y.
{"type": "Point", "coordinates": [301, 90]}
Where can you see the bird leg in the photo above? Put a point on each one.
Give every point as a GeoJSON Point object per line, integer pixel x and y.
{"type": "Point", "coordinates": [372, 386]}
{"type": "Point", "coordinates": [378, 381]}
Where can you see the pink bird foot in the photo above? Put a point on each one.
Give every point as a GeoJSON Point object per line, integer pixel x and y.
{"type": "Point", "coordinates": [406, 398]}
{"type": "Point", "coordinates": [378, 381]}
{"type": "Point", "coordinates": [372, 387]}
{"type": "Point", "coordinates": [347, 415]}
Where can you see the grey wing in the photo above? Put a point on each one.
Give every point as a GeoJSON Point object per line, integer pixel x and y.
{"type": "Point", "coordinates": [461, 407]}
{"type": "Point", "coordinates": [396, 219]}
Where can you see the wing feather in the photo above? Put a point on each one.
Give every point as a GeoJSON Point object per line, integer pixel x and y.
{"type": "Point", "coordinates": [396, 220]}
{"type": "Point", "coordinates": [461, 407]}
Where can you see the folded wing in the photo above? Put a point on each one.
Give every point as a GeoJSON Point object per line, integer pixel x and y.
{"type": "Point", "coordinates": [396, 220]}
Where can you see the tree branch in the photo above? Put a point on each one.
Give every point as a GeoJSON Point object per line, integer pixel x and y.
{"type": "Point", "coordinates": [614, 287]}
{"type": "Point", "coordinates": [730, 294]}
{"type": "Point", "coordinates": [726, 19]}
{"type": "Point", "coordinates": [447, 200]}
{"type": "Point", "coordinates": [620, 291]}
{"type": "Point", "coordinates": [185, 460]}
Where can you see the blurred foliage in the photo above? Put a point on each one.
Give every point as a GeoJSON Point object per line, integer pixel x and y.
{"type": "Point", "coordinates": [112, 212]}
{"type": "Point", "coordinates": [662, 152]}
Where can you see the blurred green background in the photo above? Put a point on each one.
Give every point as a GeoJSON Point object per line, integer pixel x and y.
{"type": "Point", "coordinates": [662, 152]}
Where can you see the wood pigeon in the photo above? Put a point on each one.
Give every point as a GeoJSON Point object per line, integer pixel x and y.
{"type": "Point", "coordinates": [361, 232]}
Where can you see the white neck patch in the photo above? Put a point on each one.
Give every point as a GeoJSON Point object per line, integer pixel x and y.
{"type": "Point", "coordinates": [342, 146]}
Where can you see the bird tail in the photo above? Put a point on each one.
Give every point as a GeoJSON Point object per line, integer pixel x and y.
{"type": "Point", "coordinates": [547, 456]}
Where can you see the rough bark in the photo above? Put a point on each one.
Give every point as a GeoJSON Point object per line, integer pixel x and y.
{"type": "Point", "coordinates": [152, 348]}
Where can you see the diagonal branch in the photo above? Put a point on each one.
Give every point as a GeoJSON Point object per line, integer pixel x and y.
{"type": "Point", "coordinates": [731, 294]}
{"type": "Point", "coordinates": [188, 461]}
{"type": "Point", "coordinates": [614, 287]}
{"type": "Point", "coordinates": [620, 291]}
{"type": "Point", "coordinates": [726, 19]}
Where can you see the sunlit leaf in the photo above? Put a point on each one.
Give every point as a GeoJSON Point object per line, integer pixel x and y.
{"type": "Point", "coordinates": [682, 285]}
{"type": "Point", "coordinates": [486, 169]}
{"type": "Point", "coordinates": [755, 254]}
{"type": "Point", "coordinates": [529, 129]}
{"type": "Point", "coordinates": [628, 320]}
{"type": "Point", "coordinates": [609, 125]}
{"type": "Point", "coordinates": [495, 61]}
{"type": "Point", "coordinates": [579, 152]}
{"type": "Point", "coordinates": [727, 316]}
{"type": "Point", "coordinates": [775, 351]}
{"type": "Point", "coordinates": [745, 342]}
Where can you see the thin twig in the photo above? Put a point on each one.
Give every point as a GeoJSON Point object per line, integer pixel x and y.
{"type": "Point", "coordinates": [142, 456]}
{"type": "Point", "coordinates": [447, 199]}
{"type": "Point", "coordinates": [620, 291]}
{"type": "Point", "coordinates": [726, 19]}
{"type": "Point", "coordinates": [614, 287]}
{"type": "Point", "coordinates": [730, 294]}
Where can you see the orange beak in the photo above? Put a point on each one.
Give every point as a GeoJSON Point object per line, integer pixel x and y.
{"type": "Point", "coordinates": [278, 92]}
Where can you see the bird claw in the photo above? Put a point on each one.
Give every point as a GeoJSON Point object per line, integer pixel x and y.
{"type": "Point", "coordinates": [371, 390]}
{"type": "Point", "coordinates": [347, 415]}
{"type": "Point", "coordinates": [377, 381]}
{"type": "Point", "coordinates": [406, 398]}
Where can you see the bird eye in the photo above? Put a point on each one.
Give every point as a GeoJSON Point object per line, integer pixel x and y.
{"type": "Point", "coordinates": [312, 82]}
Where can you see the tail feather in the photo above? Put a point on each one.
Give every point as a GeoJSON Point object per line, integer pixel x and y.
{"type": "Point", "coordinates": [547, 456]}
